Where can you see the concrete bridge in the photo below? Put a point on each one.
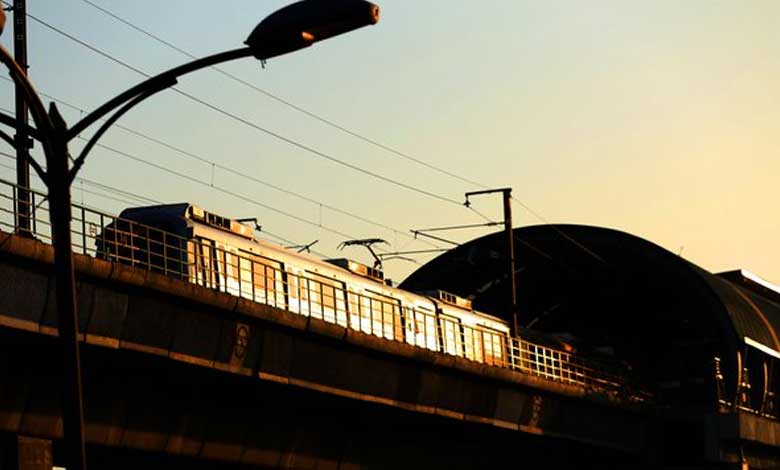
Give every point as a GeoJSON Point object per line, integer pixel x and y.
{"type": "Point", "coordinates": [175, 373]}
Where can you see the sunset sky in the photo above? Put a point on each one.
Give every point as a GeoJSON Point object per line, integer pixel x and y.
{"type": "Point", "coordinates": [661, 119]}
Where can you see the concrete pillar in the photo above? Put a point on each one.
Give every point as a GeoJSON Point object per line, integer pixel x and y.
{"type": "Point", "coordinates": [26, 453]}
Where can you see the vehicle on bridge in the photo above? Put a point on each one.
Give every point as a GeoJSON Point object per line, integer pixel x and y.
{"type": "Point", "coordinates": [186, 242]}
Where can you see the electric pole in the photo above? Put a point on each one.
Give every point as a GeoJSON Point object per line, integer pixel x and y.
{"type": "Point", "coordinates": [510, 248]}
{"type": "Point", "coordinates": [23, 141]}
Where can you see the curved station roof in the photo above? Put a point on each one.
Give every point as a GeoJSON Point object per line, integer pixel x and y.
{"type": "Point", "coordinates": [612, 293]}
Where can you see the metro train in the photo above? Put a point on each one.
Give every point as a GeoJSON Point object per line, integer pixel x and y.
{"type": "Point", "coordinates": [187, 242]}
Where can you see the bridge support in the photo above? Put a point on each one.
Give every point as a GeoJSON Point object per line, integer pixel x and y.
{"type": "Point", "coordinates": [25, 453]}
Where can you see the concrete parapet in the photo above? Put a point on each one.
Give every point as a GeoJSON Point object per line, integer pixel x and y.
{"type": "Point", "coordinates": [129, 311]}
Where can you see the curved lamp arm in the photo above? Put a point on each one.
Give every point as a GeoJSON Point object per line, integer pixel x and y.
{"type": "Point", "coordinates": [77, 164]}
{"type": "Point", "coordinates": [154, 84]}
{"type": "Point", "coordinates": [42, 120]}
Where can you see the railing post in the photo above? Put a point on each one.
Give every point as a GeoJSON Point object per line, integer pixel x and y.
{"type": "Point", "coordinates": [768, 398]}
{"type": "Point", "coordinates": [83, 231]}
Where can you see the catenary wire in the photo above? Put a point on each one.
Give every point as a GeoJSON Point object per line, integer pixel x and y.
{"type": "Point", "coordinates": [238, 173]}
{"type": "Point", "coordinates": [282, 100]}
{"type": "Point", "coordinates": [223, 190]}
{"type": "Point", "coordinates": [248, 123]}
{"type": "Point", "coordinates": [333, 124]}
{"type": "Point", "coordinates": [138, 198]}
{"type": "Point", "coordinates": [304, 147]}
{"type": "Point", "coordinates": [94, 193]}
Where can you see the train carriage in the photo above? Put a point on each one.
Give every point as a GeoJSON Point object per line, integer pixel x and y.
{"type": "Point", "coordinates": [187, 242]}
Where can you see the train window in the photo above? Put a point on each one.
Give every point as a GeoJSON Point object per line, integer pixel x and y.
{"type": "Point", "coordinates": [232, 272]}
{"type": "Point", "coordinates": [377, 315]}
{"type": "Point", "coordinates": [391, 319]}
{"type": "Point", "coordinates": [303, 295]}
{"type": "Point", "coordinates": [315, 299]}
{"type": "Point", "coordinates": [373, 313]}
{"type": "Point", "coordinates": [494, 347]}
{"type": "Point", "coordinates": [386, 318]}
{"type": "Point", "coordinates": [354, 311]}
{"type": "Point", "coordinates": [245, 284]}
{"type": "Point", "coordinates": [204, 261]}
{"type": "Point", "coordinates": [326, 298]}
{"type": "Point", "coordinates": [421, 328]}
{"type": "Point", "coordinates": [385, 315]}
{"type": "Point", "coordinates": [259, 279]}
{"type": "Point", "coordinates": [329, 297]}
{"type": "Point", "coordinates": [292, 292]}
{"type": "Point", "coordinates": [227, 270]}
{"type": "Point", "coordinates": [398, 323]}
{"type": "Point", "coordinates": [192, 261]}
{"type": "Point", "coordinates": [452, 343]}
{"type": "Point", "coordinates": [484, 345]}
{"type": "Point", "coordinates": [472, 339]}
{"type": "Point", "coordinates": [366, 314]}
{"type": "Point", "coordinates": [332, 296]}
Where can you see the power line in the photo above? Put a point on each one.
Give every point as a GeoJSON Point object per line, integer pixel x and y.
{"type": "Point", "coordinates": [238, 173]}
{"type": "Point", "coordinates": [282, 100]}
{"type": "Point", "coordinates": [119, 192]}
{"type": "Point", "coordinates": [327, 121]}
{"type": "Point", "coordinates": [303, 146]}
{"type": "Point", "coordinates": [138, 198]}
{"type": "Point", "coordinates": [114, 198]}
{"type": "Point", "coordinates": [223, 190]}
{"type": "Point", "coordinates": [248, 123]}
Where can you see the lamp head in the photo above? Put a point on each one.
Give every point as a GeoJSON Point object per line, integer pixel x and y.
{"type": "Point", "coordinates": [303, 23]}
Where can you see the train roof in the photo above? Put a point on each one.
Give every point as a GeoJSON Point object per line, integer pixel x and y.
{"type": "Point", "coordinates": [188, 211]}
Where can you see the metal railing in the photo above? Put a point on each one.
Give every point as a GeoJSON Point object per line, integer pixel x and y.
{"type": "Point", "coordinates": [266, 281]}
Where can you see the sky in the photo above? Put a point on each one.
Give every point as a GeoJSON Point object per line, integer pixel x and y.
{"type": "Point", "coordinates": [660, 119]}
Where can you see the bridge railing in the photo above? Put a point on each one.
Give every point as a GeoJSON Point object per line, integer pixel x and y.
{"type": "Point", "coordinates": [265, 281]}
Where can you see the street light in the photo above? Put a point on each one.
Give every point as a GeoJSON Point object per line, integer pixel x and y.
{"type": "Point", "coordinates": [288, 29]}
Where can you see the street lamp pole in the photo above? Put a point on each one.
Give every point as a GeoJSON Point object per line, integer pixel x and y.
{"type": "Point", "coordinates": [288, 29]}
{"type": "Point", "coordinates": [510, 248]}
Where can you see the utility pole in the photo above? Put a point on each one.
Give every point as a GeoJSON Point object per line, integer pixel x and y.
{"type": "Point", "coordinates": [510, 248]}
{"type": "Point", "coordinates": [23, 141]}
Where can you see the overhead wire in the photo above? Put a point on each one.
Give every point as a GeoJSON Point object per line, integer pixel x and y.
{"type": "Point", "coordinates": [138, 198]}
{"type": "Point", "coordinates": [96, 193]}
{"type": "Point", "coordinates": [238, 173]}
{"type": "Point", "coordinates": [223, 190]}
{"type": "Point", "coordinates": [281, 100]}
{"type": "Point", "coordinates": [248, 123]}
{"type": "Point", "coordinates": [305, 147]}
{"type": "Point", "coordinates": [339, 127]}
